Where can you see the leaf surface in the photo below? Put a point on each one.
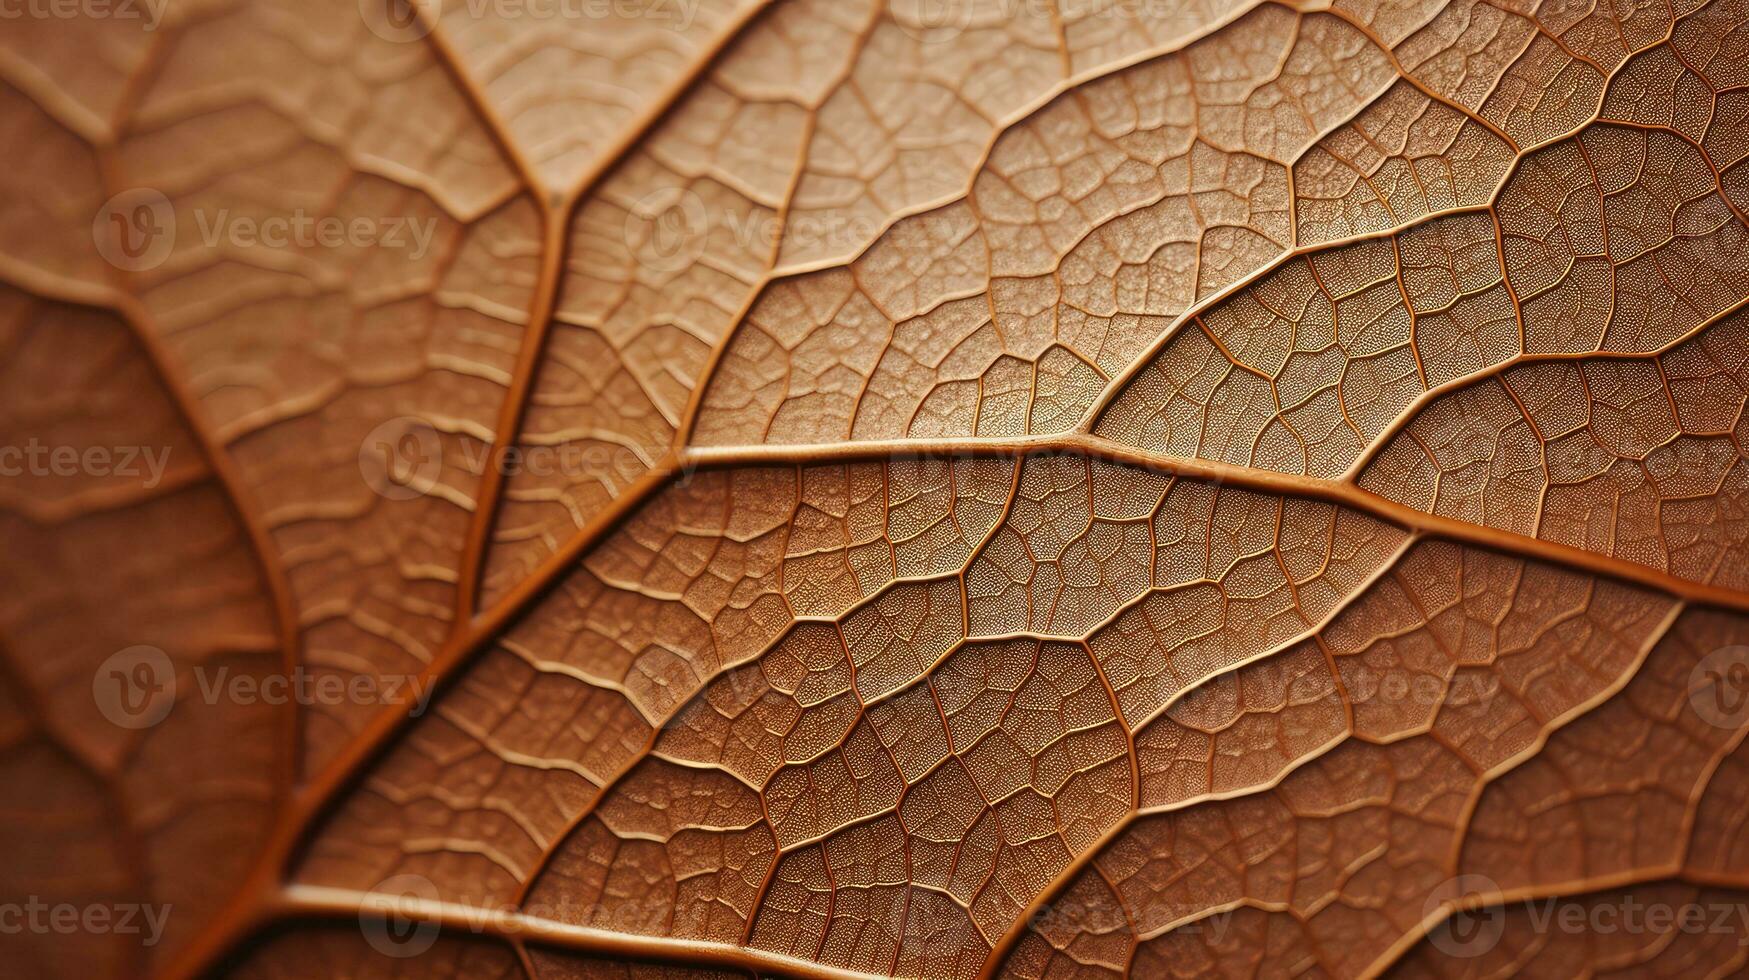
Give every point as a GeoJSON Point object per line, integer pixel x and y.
{"type": "Point", "coordinates": [862, 488]}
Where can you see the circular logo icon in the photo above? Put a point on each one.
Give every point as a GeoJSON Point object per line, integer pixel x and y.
{"type": "Point", "coordinates": [1718, 687]}
{"type": "Point", "coordinates": [402, 458]}
{"type": "Point", "coordinates": [392, 918]}
{"type": "Point", "coordinates": [932, 21]}
{"type": "Point", "coordinates": [666, 230]}
{"type": "Point", "coordinates": [135, 688]}
{"type": "Point", "coordinates": [135, 230]}
{"type": "Point", "coordinates": [400, 20]}
{"type": "Point", "coordinates": [1465, 932]}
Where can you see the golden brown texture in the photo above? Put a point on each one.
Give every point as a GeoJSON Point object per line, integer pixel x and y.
{"type": "Point", "coordinates": [859, 488]}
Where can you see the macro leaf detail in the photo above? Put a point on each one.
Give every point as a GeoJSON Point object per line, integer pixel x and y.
{"type": "Point", "coordinates": [876, 488]}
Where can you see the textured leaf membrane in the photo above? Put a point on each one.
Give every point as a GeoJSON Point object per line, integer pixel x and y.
{"type": "Point", "coordinates": [1063, 489]}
